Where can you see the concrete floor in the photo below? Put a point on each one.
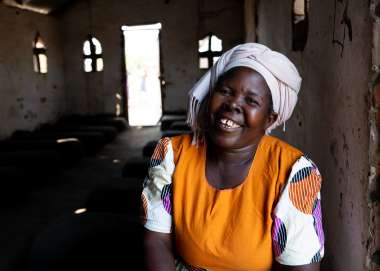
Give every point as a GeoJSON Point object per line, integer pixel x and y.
{"type": "Point", "coordinates": [66, 193]}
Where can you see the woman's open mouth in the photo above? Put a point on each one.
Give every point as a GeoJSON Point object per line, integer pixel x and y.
{"type": "Point", "coordinates": [227, 124]}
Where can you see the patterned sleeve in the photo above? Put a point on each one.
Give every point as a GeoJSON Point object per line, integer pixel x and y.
{"type": "Point", "coordinates": [157, 191]}
{"type": "Point", "coordinates": [297, 232]}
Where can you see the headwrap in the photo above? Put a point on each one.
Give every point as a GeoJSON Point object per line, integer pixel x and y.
{"type": "Point", "coordinates": [278, 71]}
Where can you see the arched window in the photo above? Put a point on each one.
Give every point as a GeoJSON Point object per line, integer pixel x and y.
{"type": "Point", "coordinates": [39, 55]}
{"type": "Point", "coordinates": [209, 50]}
{"type": "Point", "coordinates": [93, 55]}
{"type": "Point", "coordinates": [300, 23]}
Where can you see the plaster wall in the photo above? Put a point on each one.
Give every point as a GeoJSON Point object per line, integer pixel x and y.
{"type": "Point", "coordinates": [28, 98]}
{"type": "Point", "coordinates": [183, 24]}
{"type": "Point", "coordinates": [330, 122]}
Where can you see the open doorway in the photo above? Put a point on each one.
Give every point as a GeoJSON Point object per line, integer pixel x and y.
{"type": "Point", "coordinates": [142, 65]}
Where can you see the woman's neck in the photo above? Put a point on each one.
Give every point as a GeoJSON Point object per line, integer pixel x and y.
{"type": "Point", "coordinates": [232, 156]}
{"type": "Point", "coordinates": [228, 168]}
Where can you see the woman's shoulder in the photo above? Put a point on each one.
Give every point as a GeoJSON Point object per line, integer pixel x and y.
{"type": "Point", "coordinates": [183, 140]}
{"type": "Point", "coordinates": [297, 159]}
{"type": "Point", "coordinates": [181, 144]}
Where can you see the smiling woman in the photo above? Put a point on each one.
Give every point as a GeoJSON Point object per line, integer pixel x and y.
{"type": "Point", "coordinates": [229, 196]}
{"type": "Point", "coordinates": [238, 118]}
{"type": "Point", "coordinates": [239, 107]}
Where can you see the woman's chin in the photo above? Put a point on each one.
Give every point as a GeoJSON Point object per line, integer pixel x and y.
{"type": "Point", "coordinates": [224, 141]}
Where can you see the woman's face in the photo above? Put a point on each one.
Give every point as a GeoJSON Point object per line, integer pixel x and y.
{"type": "Point", "coordinates": [239, 109]}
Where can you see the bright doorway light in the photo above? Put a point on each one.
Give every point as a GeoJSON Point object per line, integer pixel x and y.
{"type": "Point", "coordinates": [142, 58]}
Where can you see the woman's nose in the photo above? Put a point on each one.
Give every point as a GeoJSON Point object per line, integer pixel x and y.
{"type": "Point", "coordinates": [234, 104]}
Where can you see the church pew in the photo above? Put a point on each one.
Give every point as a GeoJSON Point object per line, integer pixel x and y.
{"type": "Point", "coordinates": [136, 168]}
{"type": "Point", "coordinates": [15, 184]}
{"type": "Point", "coordinates": [70, 149]}
{"type": "Point", "coordinates": [23, 171]}
{"type": "Point", "coordinates": [168, 119]}
{"type": "Point", "coordinates": [115, 200]}
{"type": "Point", "coordinates": [110, 132]}
{"type": "Point", "coordinates": [37, 161]}
{"type": "Point", "coordinates": [92, 141]}
{"type": "Point", "coordinates": [88, 241]}
{"type": "Point", "coordinates": [120, 123]}
{"type": "Point", "coordinates": [179, 125]}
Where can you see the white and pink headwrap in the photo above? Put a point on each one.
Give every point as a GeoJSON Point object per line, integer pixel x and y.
{"type": "Point", "coordinates": [278, 71]}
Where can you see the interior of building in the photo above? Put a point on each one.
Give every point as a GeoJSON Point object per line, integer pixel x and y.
{"type": "Point", "coordinates": [89, 86]}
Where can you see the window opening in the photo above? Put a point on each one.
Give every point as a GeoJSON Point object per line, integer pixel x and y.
{"type": "Point", "coordinates": [39, 55]}
{"type": "Point", "coordinates": [93, 55]}
{"type": "Point", "coordinates": [300, 23]}
{"type": "Point", "coordinates": [209, 50]}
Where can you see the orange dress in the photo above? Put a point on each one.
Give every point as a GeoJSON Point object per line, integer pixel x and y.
{"type": "Point", "coordinates": [220, 230]}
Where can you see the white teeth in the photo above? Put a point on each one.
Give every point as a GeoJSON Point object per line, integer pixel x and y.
{"type": "Point", "coordinates": [229, 123]}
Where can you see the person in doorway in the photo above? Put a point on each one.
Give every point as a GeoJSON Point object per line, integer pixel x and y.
{"type": "Point", "coordinates": [229, 196]}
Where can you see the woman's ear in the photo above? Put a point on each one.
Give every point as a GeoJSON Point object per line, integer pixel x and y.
{"type": "Point", "coordinates": [271, 119]}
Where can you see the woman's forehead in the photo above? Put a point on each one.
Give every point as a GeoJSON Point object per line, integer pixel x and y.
{"type": "Point", "coordinates": [244, 73]}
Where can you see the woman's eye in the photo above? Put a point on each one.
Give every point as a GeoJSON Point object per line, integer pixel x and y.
{"type": "Point", "coordinates": [251, 101]}
{"type": "Point", "coordinates": [224, 91]}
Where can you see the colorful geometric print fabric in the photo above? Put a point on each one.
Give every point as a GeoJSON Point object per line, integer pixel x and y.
{"type": "Point", "coordinates": [297, 233]}
{"type": "Point", "coordinates": [159, 152]}
{"type": "Point", "coordinates": [166, 196]}
{"type": "Point", "coordinates": [156, 195]}
{"type": "Point", "coordinates": [278, 236]}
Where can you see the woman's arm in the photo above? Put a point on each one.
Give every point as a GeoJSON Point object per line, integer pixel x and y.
{"type": "Point", "coordinates": [158, 251]}
{"type": "Point", "coordinates": [307, 267]}
{"type": "Point", "coordinates": [157, 209]}
{"type": "Point", "coordinates": [297, 232]}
